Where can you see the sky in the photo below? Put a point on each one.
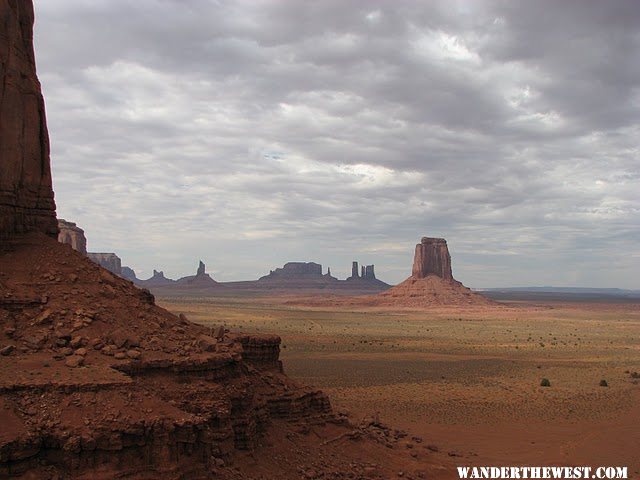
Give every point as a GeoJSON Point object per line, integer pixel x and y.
{"type": "Point", "coordinates": [252, 133]}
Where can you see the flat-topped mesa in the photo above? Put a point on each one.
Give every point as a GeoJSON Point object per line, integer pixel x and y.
{"type": "Point", "coordinates": [296, 270]}
{"type": "Point", "coordinates": [432, 258]}
{"type": "Point", "coordinates": [73, 235]}
{"type": "Point", "coordinates": [26, 193]}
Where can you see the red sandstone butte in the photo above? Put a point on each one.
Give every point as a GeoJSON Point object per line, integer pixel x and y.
{"type": "Point", "coordinates": [432, 258]}
{"type": "Point", "coordinates": [26, 194]}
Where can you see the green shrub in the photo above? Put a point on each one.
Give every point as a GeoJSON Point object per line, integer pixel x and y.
{"type": "Point", "coordinates": [545, 382]}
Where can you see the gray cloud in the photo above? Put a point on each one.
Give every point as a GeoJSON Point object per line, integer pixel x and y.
{"type": "Point", "coordinates": [253, 133]}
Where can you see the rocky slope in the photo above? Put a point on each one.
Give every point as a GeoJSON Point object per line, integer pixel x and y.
{"type": "Point", "coordinates": [94, 377]}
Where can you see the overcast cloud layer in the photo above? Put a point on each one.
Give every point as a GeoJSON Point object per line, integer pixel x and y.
{"type": "Point", "coordinates": [249, 134]}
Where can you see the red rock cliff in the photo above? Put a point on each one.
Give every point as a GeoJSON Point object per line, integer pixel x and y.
{"type": "Point", "coordinates": [432, 258]}
{"type": "Point", "coordinates": [26, 194]}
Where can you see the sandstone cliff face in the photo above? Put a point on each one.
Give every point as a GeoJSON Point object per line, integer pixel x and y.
{"type": "Point", "coordinates": [73, 235]}
{"type": "Point", "coordinates": [26, 194]}
{"type": "Point", "coordinates": [432, 258]}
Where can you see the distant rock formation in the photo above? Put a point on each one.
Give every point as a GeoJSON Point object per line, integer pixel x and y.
{"type": "Point", "coordinates": [26, 195]}
{"type": "Point", "coordinates": [200, 280]}
{"type": "Point", "coordinates": [367, 272]}
{"type": "Point", "coordinates": [432, 258]}
{"type": "Point", "coordinates": [73, 235]}
{"type": "Point", "coordinates": [431, 282]}
{"type": "Point", "coordinates": [110, 261]}
{"type": "Point", "coordinates": [129, 274]}
{"type": "Point", "coordinates": [354, 270]}
{"type": "Point", "coordinates": [295, 270]}
{"type": "Point", "coordinates": [157, 280]}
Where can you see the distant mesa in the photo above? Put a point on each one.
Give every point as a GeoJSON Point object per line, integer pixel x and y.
{"type": "Point", "coordinates": [293, 270]}
{"type": "Point", "coordinates": [431, 282]}
{"type": "Point", "coordinates": [200, 280]}
{"type": "Point", "coordinates": [297, 275]}
{"type": "Point", "coordinates": [73, 235]}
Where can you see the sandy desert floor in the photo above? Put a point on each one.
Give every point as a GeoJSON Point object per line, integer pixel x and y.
{"type": "Point", "coordinates": [468, 380]}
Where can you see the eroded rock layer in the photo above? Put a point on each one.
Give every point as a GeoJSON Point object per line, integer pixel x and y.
{"type": "Point", "coordinates": [26, 194]}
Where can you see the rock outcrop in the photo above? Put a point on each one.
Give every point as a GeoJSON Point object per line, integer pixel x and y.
{"type": "Point", "coordinates": [157, 280]}
{"type": "Point", "coordinates": [72, 235]}
{"type": "Point", "coordinates": [354, 270]}
{"type": "Point", "coordinates": [367, 272]}
{"type": "Point", "coordinates": [432, 258]}
{"type": "Point", "coordinates": [26, 193]}
{"type": "Point", "coordinates": [431, 282]}
{"type": "Point", "coordinates": [201, 268]}
{"type": "Point", "coordinates": [200, 280]}
{"type": "Point", "coordinates": [110, 261]}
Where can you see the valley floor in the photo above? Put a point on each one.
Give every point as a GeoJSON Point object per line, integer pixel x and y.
{"type": "Point", "coordinates": [467, 380]}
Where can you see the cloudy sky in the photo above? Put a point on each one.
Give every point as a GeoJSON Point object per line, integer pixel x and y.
{"type": "Point", "coordinates": [253, 133]}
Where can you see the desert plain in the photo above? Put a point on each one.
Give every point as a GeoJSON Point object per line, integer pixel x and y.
{"type": "Point", "coordinates": [466, 379]}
